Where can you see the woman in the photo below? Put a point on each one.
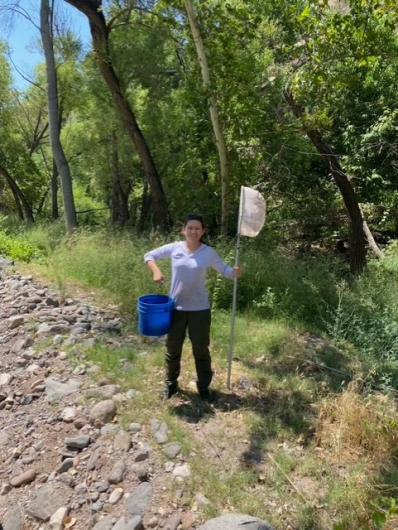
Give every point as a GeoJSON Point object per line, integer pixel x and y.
{"type": "Point", "coordinates": [189, 261]}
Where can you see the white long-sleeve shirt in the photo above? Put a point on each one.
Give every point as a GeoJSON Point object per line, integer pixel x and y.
{"type": "Point", "coordinates": [188, 273]}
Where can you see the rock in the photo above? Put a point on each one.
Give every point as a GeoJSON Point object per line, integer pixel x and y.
{"type": "Point", "coordinates": [109, 429]}
{"type": "Point", "coordinates": [201, 500]}
{"type": "Point", "coordinates": [116, 495]}
{"type": "Point", "coordinates": [79, 442]}
{"type": "Point", "coordinates": [141, 472]}
{"type": "Point", "coordinates": [52, 301]}
{"type": "Point", "coordinates": [138, 500]}
{"type": "Point", "coordinates": [171, 450]}
{"type": "Point", "coordinates": [153, 522]}
{"type": "Point", "coordinates": [120, 525]}
{"type": "Point", "coordinates": [13, 520]}
{"type": "Point", "coordinates": [15, 322]}
{"type": "Point", "coordinates": [79, 422]}
{"type": "Point", "coordinates": [5, 379]}
{"type": "Point", "coordinates": [23, 478]}
{"type": "Point", "coordinates": [102, 487]}
{"type": "Point", "coordinates": [235, 522]}
{"type": "Point", "coordinates": [46, 502]}
{"type": "Point", "coordinates": [142, 453]}
{"type": "Point", "coordinates": [21, 344]}
{"type": "Point", "coordinates": [94, 460]}
{"type": "Point", "coordinates": [58, 339]}
{"type": "Point", "coordinates": [104, 524]}
{"type": "Point", "coordinates": [56, 389]}
{"type": "Point", "coordinates": [68, 414]}
{"type": "Point", "coordinates": [122, 441]}
{"type": "Point", "coordinates": [119, 398]}
{"type": "Point", "coordinates": [67, 463]}
{"type": "Point", "coordinates": [159, 431]}
{"type": "Point", "coordinates": [5, 438]}
{"type": "Point", "coordinates": [134, 524]}
{"type": "Point", "coordinates": [48, 329]}
{"type": "Point", "coordinates": [182, 471]}
{"type": "Point", "coordinates": [169, 466]}
{"type": "Point", "coordinates": [134, 427]}
{"type": "Point", "coordinates": [105, 392]}
{"type": "Point", "coordinates": [57, 518]}
{"type": "Point", "coordinates": [5, 488]}
{"type": "Point", "coordinates": [103, 412]}
{"type": "Point", "coordinates": [67, 479]}
{"type": "Point", "coordinates": [173, 522]}
{"type": "Point", "coordinates": [117, 473]}
{"type": "Point", "coordinates": [6, 262]}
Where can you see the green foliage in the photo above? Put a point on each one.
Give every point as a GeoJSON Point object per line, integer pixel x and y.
{"type": "Point", "coordinates": [91, 212]}
{"type": "Point", "coordinates": [18, 248]}
{"type": "Point", "coordinates": [388, 508]}
{"type": "Point", "coordinates": [366, 317]}
{"type": "Point", "coordinates": [342, 67]}
{"type": "Point", "coordinates": [45, 237]}
{"type": "Point", "coordinates": [276, 284]}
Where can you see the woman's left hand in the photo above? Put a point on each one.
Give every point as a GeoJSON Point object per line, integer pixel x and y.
{"type": "Point", "coordinates": [237, 272]}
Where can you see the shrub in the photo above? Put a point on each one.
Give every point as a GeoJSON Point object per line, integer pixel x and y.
{"type": "Point", "coordinates": [17, 248]}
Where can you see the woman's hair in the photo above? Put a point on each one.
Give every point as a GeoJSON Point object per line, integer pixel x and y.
{"type": "Point", "coordinates": [194, 217]}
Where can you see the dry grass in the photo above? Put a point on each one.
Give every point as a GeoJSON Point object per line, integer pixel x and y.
{"type": "Point", "coordinates": [354, 425]}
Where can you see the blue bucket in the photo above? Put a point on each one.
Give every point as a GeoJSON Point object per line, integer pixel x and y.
{"type": "Point", "coordinates": [154, 314]}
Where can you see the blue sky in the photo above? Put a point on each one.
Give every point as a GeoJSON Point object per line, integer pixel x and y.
{"type": "Point", "coordinates": [21, 35]}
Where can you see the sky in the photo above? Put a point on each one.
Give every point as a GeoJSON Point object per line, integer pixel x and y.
{"type": "Point", "coordinates": [22, 35]}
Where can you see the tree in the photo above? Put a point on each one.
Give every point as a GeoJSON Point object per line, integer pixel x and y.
{"type": "Point", "coordinates": [211, 96]}
{"type": "Point", "coordinates": [100, 32]}
{"type": "Point", "coordinates": [358, 228]}
{"type": "Point", "coordinates": [14, 157]}
{"type": "Point", "coordinates": [326, 50]}
{"type": "Point", "coordinates": [53, 112]}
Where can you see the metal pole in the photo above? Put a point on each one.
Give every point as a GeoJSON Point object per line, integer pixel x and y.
{"type": "Point", "coordinates": [231, 338]}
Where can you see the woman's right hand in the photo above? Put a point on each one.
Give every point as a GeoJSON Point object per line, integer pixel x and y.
{"type": "Point", "coordinates": [158, 277]}
{"type": "Point", "coordinates": [157, 273]}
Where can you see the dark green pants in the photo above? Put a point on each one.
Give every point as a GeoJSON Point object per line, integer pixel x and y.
{"type": "Point", "coordinates": [198, 325]}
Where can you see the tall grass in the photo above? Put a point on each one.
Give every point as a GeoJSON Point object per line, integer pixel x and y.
{"type": "Point", "coordinates": [277, 284]}
{"type": "Point", "coordinates": [366, 317]}
{"type": "Point", "coordinates": [311, 293]}
{"type": "Point", "coordinates": [111, 262]}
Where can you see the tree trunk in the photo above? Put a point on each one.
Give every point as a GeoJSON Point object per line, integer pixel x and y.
{"type": "Point", "coordinates": [120, 212]}
{"type": "Point", "coordinates": [53, 113]}
{"type": "Point", "coordinates": [23, 208]}
{"type": "Point", "coordinates": [42, 202]}
{"type": "Point", "coordinates": [100, 36]}
{"type": "Point", "coordinates": [358, 227]}
{"type": "Point", "coordinates": [369, 236]}
{"type": "Point", "coordinates": [54, 192]}
{"type": "Point", "coordinates": [145, 207]}
{"type": "Point", "coordinates": [215, 120]}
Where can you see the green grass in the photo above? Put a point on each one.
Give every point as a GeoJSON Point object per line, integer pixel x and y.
{"type": "Point", "coordinates": [113, 264]}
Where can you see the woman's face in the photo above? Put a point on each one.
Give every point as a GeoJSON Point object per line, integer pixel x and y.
{"type": "Point", "coordinates": [193, 231]}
